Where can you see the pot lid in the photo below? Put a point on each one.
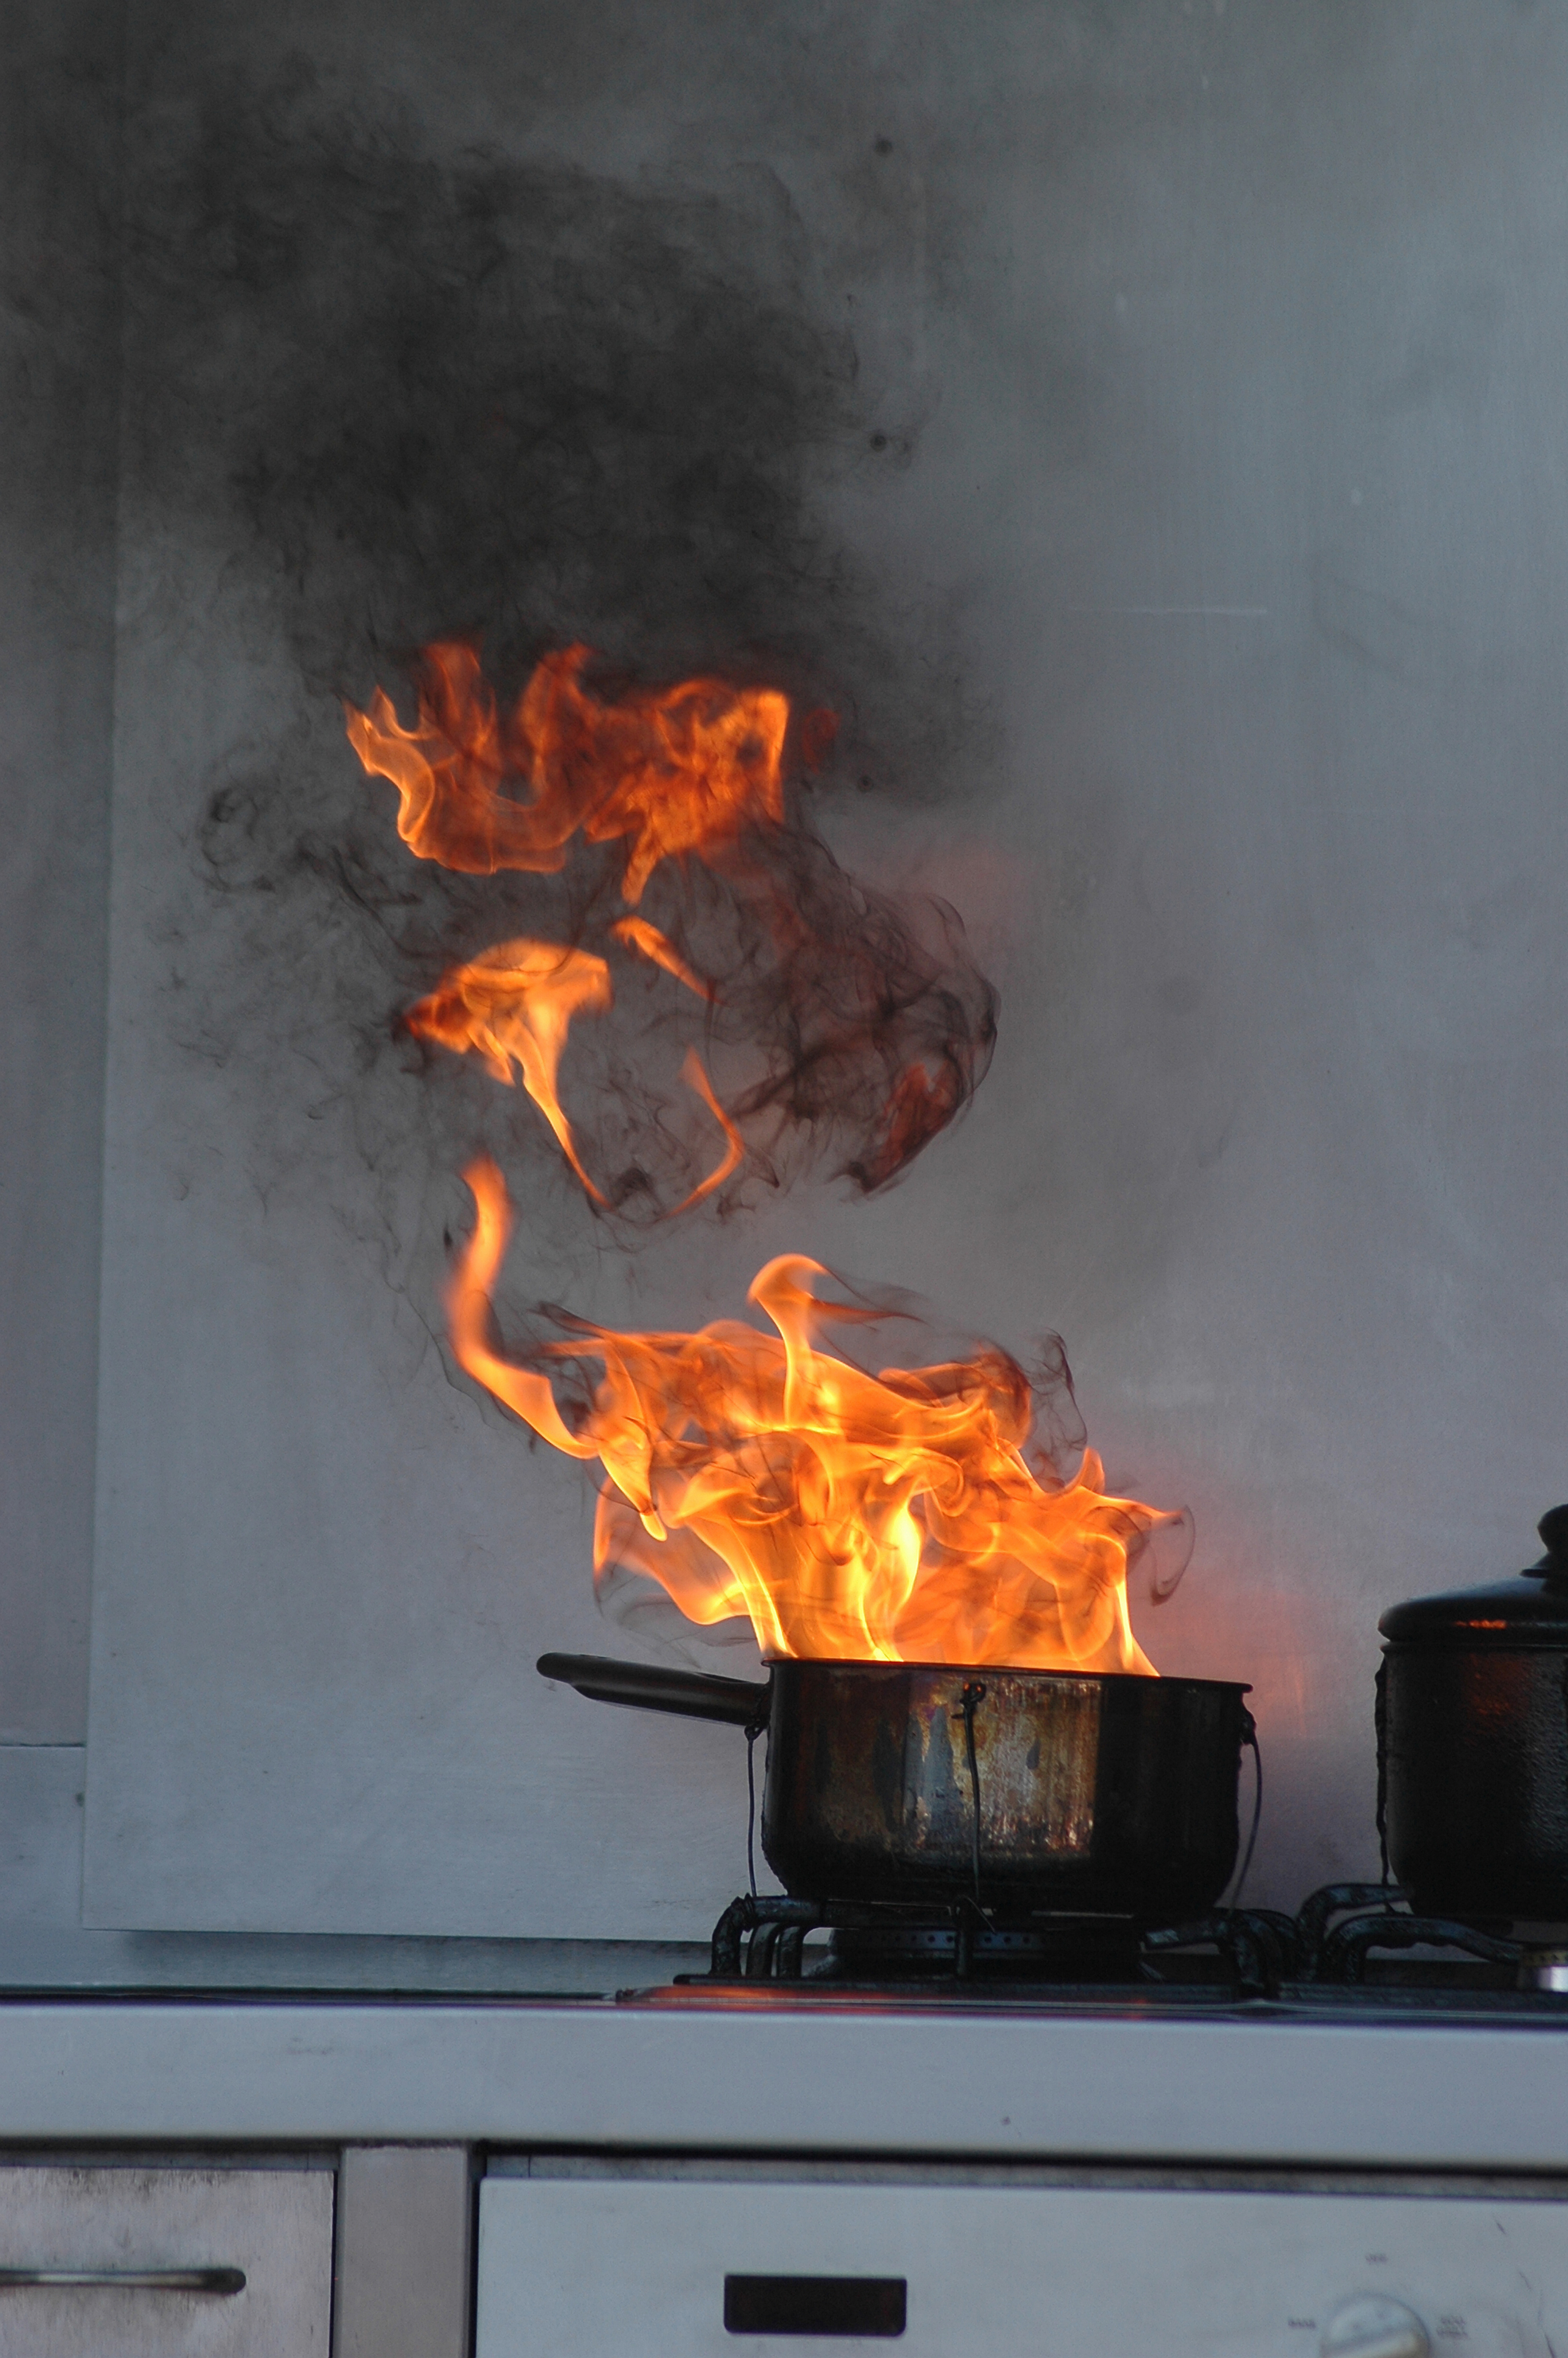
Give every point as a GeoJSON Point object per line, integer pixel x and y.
{"type": "Point", "coordinates": [1529, 1609]}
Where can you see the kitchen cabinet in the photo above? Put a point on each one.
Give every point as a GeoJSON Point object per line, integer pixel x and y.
{"type": "Point", "coordinates": [207, 2263]}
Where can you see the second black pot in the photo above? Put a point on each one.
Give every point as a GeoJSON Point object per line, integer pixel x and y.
{"type": "Point", "coordinates": [1091, 1792]}
{"type": "Point", "coordinates": [1472, 1744]}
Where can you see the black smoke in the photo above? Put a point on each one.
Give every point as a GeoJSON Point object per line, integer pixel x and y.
{"type": "Point", "coordinates": [428, 396]}
{"type": "Point", "coordinates": [397, 394]}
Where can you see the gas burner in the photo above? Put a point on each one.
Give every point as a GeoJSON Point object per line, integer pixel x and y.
{"type": "Point", "coordinates": [873, 1944]}
{"type": "Point", "coordinates": [986, 1949]}
{"type": "Point", "coordinates": [1350, 1944]}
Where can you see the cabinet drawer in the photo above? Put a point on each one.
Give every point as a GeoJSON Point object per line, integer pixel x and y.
{"type": "Point", "coordinates": [174, 2263]}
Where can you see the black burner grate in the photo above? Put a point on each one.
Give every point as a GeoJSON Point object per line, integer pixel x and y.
{"type": "Point", "coordinates": [1345, 1937]}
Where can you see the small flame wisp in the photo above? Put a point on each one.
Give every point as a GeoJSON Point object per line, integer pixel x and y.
{"type": "Point", "coordinates": [513, 1005]}
{"type": "Point", "coordinates": [889, 1517]}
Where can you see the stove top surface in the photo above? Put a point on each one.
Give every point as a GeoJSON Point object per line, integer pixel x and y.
{"type": "Point", "coordinates": [1352, 1952]}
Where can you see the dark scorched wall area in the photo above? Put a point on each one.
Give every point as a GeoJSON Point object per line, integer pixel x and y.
{"type": "Point", "coordinates": [416, 396]}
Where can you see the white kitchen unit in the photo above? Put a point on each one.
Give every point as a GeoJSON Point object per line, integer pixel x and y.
{"type": "Point", "coordinates": [1266, 2182]}
{"type": "Point", "coordinates": [148, 2262]}
{"type": "Point", "coordinates": [577, 2262]}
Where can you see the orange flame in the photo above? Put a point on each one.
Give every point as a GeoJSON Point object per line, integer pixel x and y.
{"type": "Point", "coordinates": [693, 1077]}
{"type": "Point", "coordinates": [514, 1003]}
{"type": "Point", "coordinates": [648, 942]}
{"type": "Point", "coordinates": [668, 770]}
{"type": "Point", "coordinates": [867, 1517]}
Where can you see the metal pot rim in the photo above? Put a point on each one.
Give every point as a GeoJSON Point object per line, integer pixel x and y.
{"type": "Point", "coordinates": [1001, 1670]}
{"type": "Point", "coordinates": [1477, 1637]}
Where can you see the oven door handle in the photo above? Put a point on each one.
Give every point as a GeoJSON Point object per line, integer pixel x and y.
{"type": "Point", "coordinates": [224, 2281]}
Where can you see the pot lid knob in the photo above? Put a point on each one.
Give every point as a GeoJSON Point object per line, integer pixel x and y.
{"type": "Point", "coordinates": [1553, 1530]}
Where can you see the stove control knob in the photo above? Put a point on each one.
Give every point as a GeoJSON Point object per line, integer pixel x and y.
{"type": "Point", "coordinates": [1373, 2326]}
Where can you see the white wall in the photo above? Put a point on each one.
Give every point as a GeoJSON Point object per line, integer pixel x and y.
{"type": "Point", "coordinates": [58, 351]}
{"type": "Point", "coordinates": [1203, 610]}
{"type": "Point", "coordinates": [59, 368]}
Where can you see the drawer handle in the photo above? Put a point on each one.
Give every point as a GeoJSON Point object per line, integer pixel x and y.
{"type": "Point", "coordinates": [219, 2280]}
{"type": "Point", "coordinates": [868, 2305]}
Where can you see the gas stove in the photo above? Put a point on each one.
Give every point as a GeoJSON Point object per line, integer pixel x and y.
{"type": "Point", "coordinates": [1350, 1946]}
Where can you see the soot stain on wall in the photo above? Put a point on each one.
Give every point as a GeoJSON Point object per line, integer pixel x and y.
{"type": "Point", "coordinates": [447, 395]}
{"type": "Point", "coordinates": [403, 395]}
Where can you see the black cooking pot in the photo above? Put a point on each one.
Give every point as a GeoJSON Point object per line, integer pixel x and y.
{"type": "Point", "coordinates": [1472, 1744]}
{"type": "Point", "coordinates": [1099, 1794]}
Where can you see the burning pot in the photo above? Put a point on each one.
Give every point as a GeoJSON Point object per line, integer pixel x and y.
{"type": "Point", "coordinates": [1473, 1744]}
{"type": "Point", "coordinates": [1104, 1793]}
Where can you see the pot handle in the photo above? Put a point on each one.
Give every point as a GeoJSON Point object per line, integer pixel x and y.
{"type": "Point", "coordinates": [743, 1702]}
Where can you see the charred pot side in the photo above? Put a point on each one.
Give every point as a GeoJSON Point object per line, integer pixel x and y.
{"type": "Point", "coordinates": [1025, 1791]}
{"type": "Point", "coordinates": [1109, 1794]}
{"type": "Point", "coordinates": [1472, 1744]}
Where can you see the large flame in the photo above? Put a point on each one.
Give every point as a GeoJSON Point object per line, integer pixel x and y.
{"type": "Point", "coordinates": [868, 1518]}
{"type": "Point", "coordinates": [676, 770]}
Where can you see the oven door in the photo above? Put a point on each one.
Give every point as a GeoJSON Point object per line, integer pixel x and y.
{"type": "Point", "coordinates": [580, 2259]}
